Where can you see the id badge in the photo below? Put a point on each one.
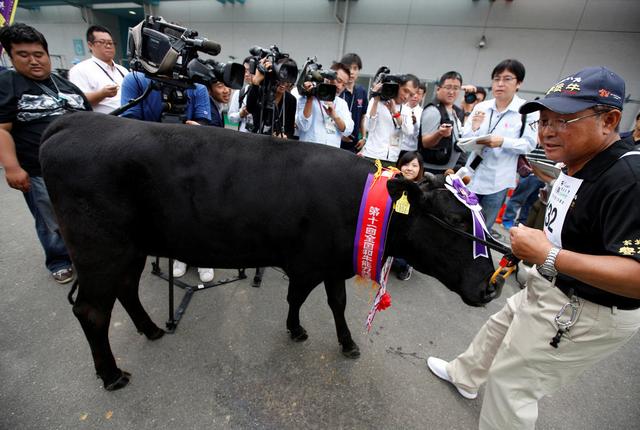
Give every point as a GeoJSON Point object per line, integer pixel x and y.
{"type": "Point", "coordinates": [394, 140]}
{"type": "Point", "coordinates": [329, 125]}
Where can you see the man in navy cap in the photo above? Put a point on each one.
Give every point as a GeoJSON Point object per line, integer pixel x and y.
{"type": "Point", "coordinates": [582, 299]}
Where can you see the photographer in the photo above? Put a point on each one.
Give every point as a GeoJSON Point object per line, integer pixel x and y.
{"type": "Point", "coordinates": [238, 112]}
{"type": "Point", "coordinates": [471, 99]}
{"type": "Point", "coordinates": [386, 120]}
{"type": "Point", "coordinates": [356, 97]}
{"type": "Point", "coordinates": [280, 115]}
{"type": "Point", "coordinates": [196, 110]}
{"type": "Point", "coordinates": [325, 122]}
{"type": "Point", "coordinates": [441, 125]}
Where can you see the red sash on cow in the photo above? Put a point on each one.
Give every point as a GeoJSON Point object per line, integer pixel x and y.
{"type": "Point", "coordinates": [371, 233]}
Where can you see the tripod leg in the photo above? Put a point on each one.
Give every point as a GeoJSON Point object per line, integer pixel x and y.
{"type": "Point", "coordinates": [257, 279]}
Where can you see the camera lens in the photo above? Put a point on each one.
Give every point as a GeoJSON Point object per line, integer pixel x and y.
{"type": "Point", "coordinates": [470, 98]}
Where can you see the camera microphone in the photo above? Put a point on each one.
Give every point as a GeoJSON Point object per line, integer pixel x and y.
{"type": "Point", "coordinates": [207, 46]}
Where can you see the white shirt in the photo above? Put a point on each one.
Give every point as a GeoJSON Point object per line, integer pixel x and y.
{"type": "Point", "coordinates": [497, 171]}
{"type": "Point", "coordinates": [383, 136]}
{"type": "Point", "coordinates": [234, 108]}
{"type": "Point", "coordinates": [410, 141]}
{"type": "Point", "coordinates": [93, 74]}
{"type": "Point", "coordinates": [320, 127]}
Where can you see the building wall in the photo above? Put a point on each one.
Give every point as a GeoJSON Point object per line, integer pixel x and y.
{"type": "Point", "coordinates": [426, 37]}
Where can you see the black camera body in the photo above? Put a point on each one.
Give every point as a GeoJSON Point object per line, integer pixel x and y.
{"type": "Point", "coordinates": [390, 84]}
{"type": "Point", "coordinates": [313, 72]}
{"type": "Point", "coordinates": [281, 69]}
{"type": "Point", "coordinates": [168, 53]}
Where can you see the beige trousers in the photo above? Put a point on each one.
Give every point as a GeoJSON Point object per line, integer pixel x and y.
{"type": "Point", "coordinates": [511, 352]}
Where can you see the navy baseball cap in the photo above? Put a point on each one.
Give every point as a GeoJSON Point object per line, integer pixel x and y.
{"type": "Point", "coordinates": [582, 90]}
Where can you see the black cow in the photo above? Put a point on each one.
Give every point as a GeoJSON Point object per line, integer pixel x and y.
{"type": "Point", "coordinates": [123, 190]}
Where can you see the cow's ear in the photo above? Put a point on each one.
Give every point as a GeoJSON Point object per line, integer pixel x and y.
{"type": "Point", "coordinates": [397, 186]}
{"type": "Point", "coordinates": [431, 182]}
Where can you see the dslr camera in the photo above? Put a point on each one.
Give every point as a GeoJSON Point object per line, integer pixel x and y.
{"type": "Point", "coordinates": [313, 72]}
{"type": "Point", "coordinates": [470, 98]}
{"type": "Point", "coordinates": [168, 53]}
{"type": "Point", "coordinates": [282, 68]}
{"type": "Point", "coordinates": [390, 84]}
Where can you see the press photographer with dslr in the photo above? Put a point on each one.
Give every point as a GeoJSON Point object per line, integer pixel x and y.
{"type": "Point", "coordinates": [269, 102]}
{"type": "Point", "coordinates": [320, 117]}
{"type": "Point", "coordinates": [471, 99]}
{"type": "Point", "coordinates": [385, 118]}
{"type": "Point", "coordinates": [238, 112]}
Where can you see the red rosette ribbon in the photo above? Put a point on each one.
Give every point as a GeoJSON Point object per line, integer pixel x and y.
{"type": "Point", "coordinates": [385, 302]}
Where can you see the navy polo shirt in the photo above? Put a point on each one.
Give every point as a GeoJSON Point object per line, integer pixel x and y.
{"type": "Point", "coordinates": [357, 102]}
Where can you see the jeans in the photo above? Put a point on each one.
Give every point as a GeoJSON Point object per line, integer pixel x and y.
{"type": "Point", "coordinates": [37, 198]}
{"type": "Point", "coordinates": [523, 197]}
{"type": "Point", "coordinates": [491, 204]}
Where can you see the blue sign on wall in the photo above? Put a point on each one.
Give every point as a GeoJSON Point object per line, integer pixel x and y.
{"type": "Point", "coordinates": [78, 47]}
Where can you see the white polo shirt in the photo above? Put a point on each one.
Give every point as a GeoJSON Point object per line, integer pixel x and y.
{"type": "Point", "coordinates": [93, 74]}
{"type": "Point", "coordinates": [319, 127]}
{"type": "Point", "coordinates": [383, 136]}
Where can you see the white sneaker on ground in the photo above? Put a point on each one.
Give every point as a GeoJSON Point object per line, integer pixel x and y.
{"type": "Point", "coordinates": [206, 275]}
{"type": "Point", "coordinates": [179, 268]}
{"type": "Point", "coordinates": [439, 368]}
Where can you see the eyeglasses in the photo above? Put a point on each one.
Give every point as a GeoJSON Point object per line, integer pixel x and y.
{"type": "Point", "coordinates": [560, 124]}
{"type": "Point", "coordinates": [106, 43]}
{"type": "Point", "coordinates": [505, 79]}
{"type": "Point", "coordinates": [450, 88]}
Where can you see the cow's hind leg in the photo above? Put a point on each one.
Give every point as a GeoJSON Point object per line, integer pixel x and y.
{"type": "Point", "coordinates": [93, 308]}
{"type": "Point", "coordinates": [337, 299]}
{"type": "Point", "coordinates": [130, 300]}
{"type": "Point", "coordinates": [296, 296]}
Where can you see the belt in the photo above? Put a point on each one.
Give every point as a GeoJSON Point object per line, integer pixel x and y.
{"type": "Point", "coordinates": [622, 307]}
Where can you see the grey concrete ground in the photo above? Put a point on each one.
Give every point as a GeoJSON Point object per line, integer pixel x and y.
{"type": "Point", "coordinates": [231, 364]}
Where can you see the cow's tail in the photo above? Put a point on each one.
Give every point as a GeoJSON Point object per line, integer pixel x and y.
{"type": "Point", "coordinates": [74, 287]}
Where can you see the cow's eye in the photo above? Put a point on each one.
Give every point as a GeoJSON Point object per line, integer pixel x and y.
{"type": "Point", "coordinates": [456, 220]}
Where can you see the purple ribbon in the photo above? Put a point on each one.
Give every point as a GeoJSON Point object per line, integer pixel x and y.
{"type": "Point", "coordinates": [470, 200]}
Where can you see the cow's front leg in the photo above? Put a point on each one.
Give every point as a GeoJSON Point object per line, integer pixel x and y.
{"type": "Point", "coordinates": [337, 299]}
{"type": "Point", "coordinates": [94, 314]}
{"type": "Point", "coordinates": [296, 296]}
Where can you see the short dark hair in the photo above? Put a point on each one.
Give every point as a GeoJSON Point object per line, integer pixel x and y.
{"type": "Point", "coordinates": [511, 65]}
{"type": "Point", "coordinates": [405, 79]}
{"type": "Point", "coordinates": [450, 75]}
{"type": "Point", "coordinates": [340, 66]}
{"type": "Point", "coordinates": [247, 60]}
{"type": "Point", "coordinates": [423, 87]}
{"type": "Point", "coordinates": [21, 33]}
{"type": "Point", "coordinates": [408, 157]}
{"type": "Point", "coordinates": [482, 91]}
{"type": "Point", "coordinates": [99, 28]}
{"type": "Point", "coordinates": [351, 58]}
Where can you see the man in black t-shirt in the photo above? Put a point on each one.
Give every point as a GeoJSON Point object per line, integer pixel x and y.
{"type": "Point", "coordinates": [582, 299]}
{"type": "Point", "coordinates": [31, 97]}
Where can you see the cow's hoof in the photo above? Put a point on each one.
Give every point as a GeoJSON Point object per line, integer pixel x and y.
{"type": "Point", "coordinates": [299, 334]}
{"type": "Point", "coordinates": [121, 382]}
{"type": "Point", "coordinates": [351, 350]}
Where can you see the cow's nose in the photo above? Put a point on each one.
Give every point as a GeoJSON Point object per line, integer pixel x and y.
{"type": "Point", "coordinates": [493, 290]}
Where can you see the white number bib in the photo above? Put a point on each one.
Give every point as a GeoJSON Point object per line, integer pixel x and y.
{"type": "Point", "coordinates": [562, 194]}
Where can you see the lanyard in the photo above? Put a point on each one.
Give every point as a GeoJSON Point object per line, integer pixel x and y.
{"type": "Point", "coordinates": [107, 73]}
{"type": "Point", "coordinates": [497, 122]}
{"type": "Point", "coordinates": [353, 97]}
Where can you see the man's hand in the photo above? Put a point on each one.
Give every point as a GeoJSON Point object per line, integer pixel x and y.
{"type": "Point", "coordinates": [360, 144]}
{"type": "Point", "coordinates": [476, 120]}
{"type": "Point", "coordinates": [529, 244]}
{"type": "Point", "coordinates": [445, 130]}
{"type": "Point", "coordinates": [491, 141]}
{"type": "Point", "coordinates": [109, 90]}
{"type": "Point", "coordinates": [190, 122]}
{"type": "Point", "coordinates": [330, 109]}
{"type": "Point", "coordinates": [18, 178]}
{"type": "Point", "coordinates": [347, 139]}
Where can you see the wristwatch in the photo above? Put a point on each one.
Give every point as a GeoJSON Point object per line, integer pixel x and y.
{"type": "Point", "coordinates": [548, 268]}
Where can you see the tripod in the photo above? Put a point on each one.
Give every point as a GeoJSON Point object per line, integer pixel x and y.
{"type": "Point", "coordinates": [174, 106]}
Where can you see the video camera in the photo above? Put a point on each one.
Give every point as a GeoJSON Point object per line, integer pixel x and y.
{"type": "Point", "coordinates": [390, 84]}
{"type": "Point", "coordinates": [282, 68]}
{"type": "Point", "coordinates": [313, 72]}
{"type": "Point", "coordinates": [168, 53]}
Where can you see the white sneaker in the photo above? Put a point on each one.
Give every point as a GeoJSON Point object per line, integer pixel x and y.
{"type": "Point", "coordinates": [206, 275]}
{"type": "Point", "coordinates": [439, 368]}
{"type": "Point", "coordinates": [179, 268]}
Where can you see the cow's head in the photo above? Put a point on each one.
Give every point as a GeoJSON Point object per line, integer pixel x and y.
{"type": "Point", "coordinates": [433, 249]}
